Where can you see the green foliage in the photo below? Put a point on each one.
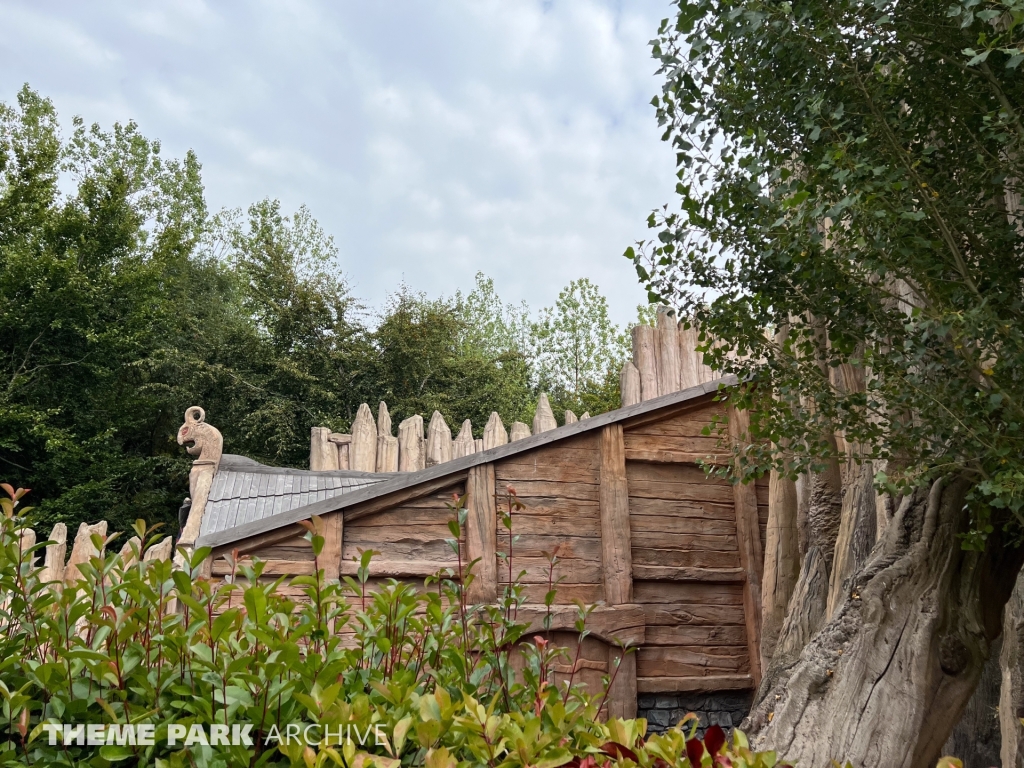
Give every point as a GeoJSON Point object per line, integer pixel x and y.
{"type": "Point", "coordinates": [579, 351]}
{"type": "Point", "coordinates": [849, 174]}
{"type": "Point", "coordinates": [140, 643]}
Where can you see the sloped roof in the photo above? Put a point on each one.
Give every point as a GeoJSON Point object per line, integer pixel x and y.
{"type": "Point", "coordinates": [245, 492]}
{"type": "Point", "coordinates": [377, 485]}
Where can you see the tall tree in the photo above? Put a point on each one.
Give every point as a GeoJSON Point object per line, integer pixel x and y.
{"type": "Point", "coordinates": [579, 350]}
{"type": "Point", "coordinates": [850, 177]}
{"type": "Point", "coordinates": [95, 236]}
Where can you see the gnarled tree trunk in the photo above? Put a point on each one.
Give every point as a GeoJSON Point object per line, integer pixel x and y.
{"type": "Point", "coordinates": [886, 678]}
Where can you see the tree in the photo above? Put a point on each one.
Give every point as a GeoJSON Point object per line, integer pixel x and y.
{"type": "Point", "coordinates": [95, 237]}
{"type": "Point", "coordinates": [579, 351]}
{"type": "Point", "coordinates": [850, 178]}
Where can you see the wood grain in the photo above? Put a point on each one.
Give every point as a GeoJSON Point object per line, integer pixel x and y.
{"type": "Point", "coordinates": [675, 573]}
{"type": "Point", "coordinates": [481, 534]}
{"type": "Point", "coordinates": [694, 684]}
{"type": "Point", "coordinates": [615, 533]}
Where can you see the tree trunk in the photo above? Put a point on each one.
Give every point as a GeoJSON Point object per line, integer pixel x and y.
{"type": "Point", "coordinates": [975, 738]}
{"type": "Point", "coordinates": [885, 680]}
{"type": "Point", "coordinates": [1011, 694]}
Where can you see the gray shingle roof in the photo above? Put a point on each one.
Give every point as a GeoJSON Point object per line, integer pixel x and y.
{"type": "Point", "coordinates": [245, 491]}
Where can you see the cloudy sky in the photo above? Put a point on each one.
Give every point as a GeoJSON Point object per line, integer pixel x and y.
{"type": "Point", "coordinates": [432, 139]}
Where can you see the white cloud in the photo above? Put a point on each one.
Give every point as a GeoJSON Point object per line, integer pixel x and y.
{"type": "Point", "coordinates": [432, 140]}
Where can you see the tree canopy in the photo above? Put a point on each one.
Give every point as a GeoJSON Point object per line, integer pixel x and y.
{"type": "Point", "coordinates": [850, 175]}
{"type": "Point", "coordinates": [124, 302]}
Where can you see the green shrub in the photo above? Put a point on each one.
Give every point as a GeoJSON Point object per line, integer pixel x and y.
{"type": "Point", "coordinates": [145, 644]}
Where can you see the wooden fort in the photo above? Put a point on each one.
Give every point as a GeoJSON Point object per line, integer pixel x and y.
{"type": "Point", "coordinates": [672, 556]}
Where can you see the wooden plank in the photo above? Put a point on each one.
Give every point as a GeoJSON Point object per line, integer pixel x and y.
{"type": "Point", "coordinates": [555, 490]}
{"type": "Point", "coordinates": [615, 534]}
{"type": "Point", "coordinates": [397, 569]}
{"type": "Point", "coordinates": [220, 567]}
{"type": "Point", "coordinates": [683, 541]}
{"type": "Point", "coordinates": [641, 523]}
{"type": "Point", "coordinates": [572, 547]}
{"type": "Point", "coordinates": [623, 689]}
{"type": "Point", "coordinates": [685, 558]}
{"type": "Point", "coordinates": [672, 573]}
{"type": "Point", "coordinates": [570, 571]}
{"type": "Point", "coordinates": [682, 661]}
{"type": "Point", "coordinates": [436, 550]}
{"type": "Point", "coordinates": [687, 473]}
{"type": "Point", "coordinates": [379, 535]}
{"type": "Point", "coordinates": [481, 534]}
{"type": "Point", "coordinates": [700, 446]}
{"type": "Point", "coordinates": [330, 556]}
{"type": "Point", "coordinates": [677, 508]}
{"type": "Point", "coordinates": [751, 554]}
{"type": "Point", "coordinates": [659, 456]}
{"type": "Point", "coordinates": [666, 592]}
{"type": "Point", "coordinates": [565, 594]}
{"type": "Point", "coordinates": [694, 684]}
{"type": "Point", "coordinates": [702, 636]}
{"type": "Point", "coordinates": [609, 623]}
{"type": "Point", "coordinates": [675, 614]}
{"type": "Point", "coordinates": [452, 482]}
{"type": "Point", "coordinates": [244, 546]}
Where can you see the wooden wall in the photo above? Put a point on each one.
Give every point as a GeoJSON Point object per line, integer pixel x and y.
{"type": "Point", "coordinates": [675, 556]}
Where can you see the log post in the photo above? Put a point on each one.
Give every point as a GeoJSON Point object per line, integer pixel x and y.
{"type": "Point", "coordinates": [544, 418]}
{"type": "Point", "coordinates": [629, 385]}
{"type": "Point", "coordinates": [330, 555]}
{"type": "Point", "coordinates": [748, 536]}
{"type": "Point", "coordinates": [363, 449]}
{"type": "Point", "coordinates": [464, 444]}
{"type": "Point", "coordinates": [570, 417]}
{"type": "Point", "coordinates": [439, 440]}
{"type": "Point", "coordinates": [387, 453]}
{"type": "Point", "coordinates": [53, 566]}
{"type": "Point", "coordinates": [322, 454]}
{"type": "Point", "coordinates": [645, 361]}
{"type": "Point", "coordinates": [518, 431]}
{"type": "Point", "coordinates": [667, 337]}
{"type": "Point", "coordinates": [616, 556]}
{"type": "Point", "coordinates": [410, 445]}
{"type": "Point", "coordinates": [83, 549]}
{"type": "Point", "coordinates": [781, 561]}
{"type": "Point", "coordinates": [494, 432]}
{"type": "Point", "coordinates": [482, 533]}
{"type": "Point", "coordinates": [617, 562]}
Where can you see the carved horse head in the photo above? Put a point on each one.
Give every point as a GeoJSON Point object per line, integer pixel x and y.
{"type": "Point", "coordinates": [204, 440]}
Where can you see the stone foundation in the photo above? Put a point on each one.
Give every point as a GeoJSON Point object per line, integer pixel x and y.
{"type": "Point", "coordinates": [664, 710]}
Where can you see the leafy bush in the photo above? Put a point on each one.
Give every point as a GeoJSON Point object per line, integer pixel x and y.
{"type": "Point", "coordinates": [139, 642]}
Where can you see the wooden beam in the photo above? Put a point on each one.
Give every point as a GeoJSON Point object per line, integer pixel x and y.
{"type": "Point", "coordinates": [686, 684]}
{"type": "Point", "coordinates": [622, 693]}
{"type": "Point", "coordinates": [397, 569]}
{"type": "Point", "coordinates": [220, 567]}
{"type": "Point", "coordinates": [482, 534]}
{"type": "Point", "coordinates": [748, 536]}
{"type": "Point", "coordinates": [670, 573]}
{"type": "Point", "coordinates": [617, 560]}
{"type": "Point", "coordinates": [405, 494]}
{"type": "Point", "coordinates": [669, 457]}
{"type": "Point", "coordinates": [330, 557]}
{"type": "Point", "coordinates": [610, 623]}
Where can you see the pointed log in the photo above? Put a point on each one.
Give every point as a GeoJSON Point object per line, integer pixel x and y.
{"type": "Point", "coordinates": [161, 551]}
{"type": "Point", "coordinates": [83, 550]}
{"type": "Point", "coordinates": [691, 362]}
{"type": "Point", "coordinates": [645, 361]}
{"type": "Point", "coordinates": [629, 385]}
{"type": "Point", "coordinates": [439, 440]}
{"type": "Point", "coordinates": [363, 449]}
{"type": "Point", "coordinates": [464, 444]}
{"type": "Point", "coordinates": [479, 445]}
{"type": "Point", "coordinates": [387, 453]}
{"type": "Point", "coordinates": [53, 566]}
{"type": "Point", "coordinates": [323, 455]}
{"type": "Point", "coordinates": [668, 352]}
{"type": "Point", "coordinates": [494, 432]}
{"type": "Point", "coordinates": [27, 540]}
{"type": "Point", "coordinates": [570, 417]}
{"type": "Point", "coordinates": [127, 553]}
{"type": "Point", "coordinates": [518, 431]}
{"type": "Point", "coordinates": [383, 419]}
{"type": "Point", "coordinates": [586, 415]}
{"type": "Point", "coordinates": [411, 448]}
{"type": "Point", "coordinates": [544, 418]}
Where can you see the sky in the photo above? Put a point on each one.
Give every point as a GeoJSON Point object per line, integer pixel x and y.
{"type": "Point", "coordinates": [433, 140]}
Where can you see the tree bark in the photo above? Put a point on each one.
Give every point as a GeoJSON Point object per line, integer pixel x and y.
{"type": "Point", "coordinates": [1011, 694]}
{"type": "Point", "coordinates": [975, 738]}
{"type": "Point", "coordinates": [885, 680]}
